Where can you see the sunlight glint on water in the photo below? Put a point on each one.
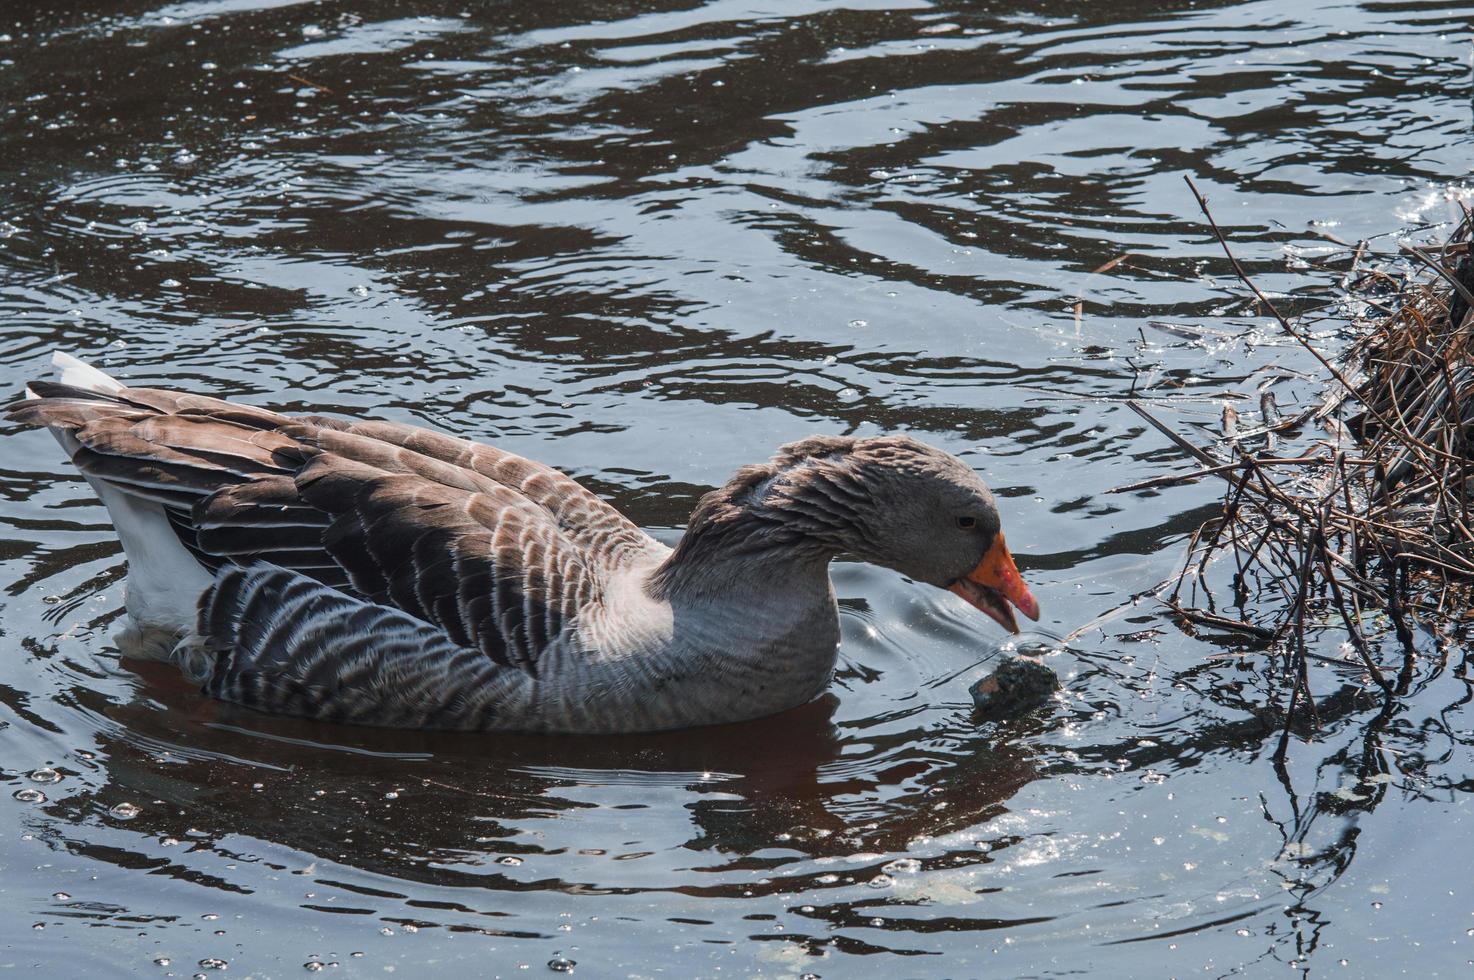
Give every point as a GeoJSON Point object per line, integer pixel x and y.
{"type": "Point", "coordinates": [648, 247]}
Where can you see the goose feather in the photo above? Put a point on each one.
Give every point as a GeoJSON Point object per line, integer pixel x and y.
{"type": "Point", "coordinates": [381, 573]}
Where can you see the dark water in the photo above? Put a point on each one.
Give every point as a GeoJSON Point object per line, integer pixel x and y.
{"type": "Point", "coordinates": [647, 243]}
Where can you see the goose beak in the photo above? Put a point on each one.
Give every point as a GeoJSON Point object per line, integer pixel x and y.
{"type": "Point", "coordinates": [994, 584]}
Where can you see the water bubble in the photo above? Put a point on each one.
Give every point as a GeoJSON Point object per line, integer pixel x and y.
{"type": "Point", "coordinates": [827, 879]}
{"type": "Point", "coordinates": [859, 323]}
{"type": "Point", "coordinates": [213, 963]}
{"type": "Point", "coordinates": [210, 916]}
{"type": "Point", "coordinates": [7, 229]}
{"type": "Point", "coordinates": [161, 961]}
{"type": "Point", "coordinates": [509, 860]}
{"type": "Point", "coordinates": [61, 896]}
{"type": "Point", "coordinates": [902, 866]}
{"type": "Point", "coordinates": [561, 964]}
{"type": "Point", "coordinates": [171, 284]}
{"type": "Point", "coordinates": [881, 881]}
{"type": "Point", "coordinates": [30, 795]}
{"type": "Point", "coordinates": [138, 227]}
{"type": "Point", "coordinates": [359, 290]}
{"type": "Point", "coordinates": [126, 811]}
{"type": "Point", "coordinates": [209, 66]}
{"type": "Point", "coordinates": [312, 966]}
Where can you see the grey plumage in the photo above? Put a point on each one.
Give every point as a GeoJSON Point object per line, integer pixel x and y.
{"type": "Point", "coordinates": [281, 642]}
{"type": "Point", "coordinates": [380, 573]}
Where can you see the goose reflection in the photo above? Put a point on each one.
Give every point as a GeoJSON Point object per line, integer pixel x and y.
{"type": "Point", "coordinates": [460, 809]}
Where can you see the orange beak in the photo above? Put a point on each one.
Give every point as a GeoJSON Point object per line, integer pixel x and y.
{"type": "Point", "coordinates": [995, 583]}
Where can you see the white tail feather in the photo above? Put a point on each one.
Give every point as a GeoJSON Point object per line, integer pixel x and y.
{"type": "Point", "coordinates": [164, 580]}
{"type": "Point", "coordinates": [80, 374]}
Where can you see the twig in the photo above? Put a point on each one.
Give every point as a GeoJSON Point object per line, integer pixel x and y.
{"type": "Point", "coordinates": [310, 83]}
{"type": "Point", "coordinates": [1284, 323]}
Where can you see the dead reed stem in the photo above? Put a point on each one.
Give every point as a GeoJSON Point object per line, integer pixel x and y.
{"type": "Point", "coordinates": [1374, 519]}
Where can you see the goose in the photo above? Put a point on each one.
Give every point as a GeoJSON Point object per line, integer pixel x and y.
{"type": "Point", "coordinates": [378, 573]}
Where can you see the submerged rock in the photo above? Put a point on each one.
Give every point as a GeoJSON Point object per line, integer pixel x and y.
{"type": "Point", "coordinates": [1019, 685]}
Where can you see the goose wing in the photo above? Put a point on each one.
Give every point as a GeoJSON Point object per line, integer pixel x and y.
{"type": "Point", "coordinates": [495, 551]}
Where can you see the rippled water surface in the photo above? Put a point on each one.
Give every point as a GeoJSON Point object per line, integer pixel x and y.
{"type": "Point", "coordinates": [647, 243]}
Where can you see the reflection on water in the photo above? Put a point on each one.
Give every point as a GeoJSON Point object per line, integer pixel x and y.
{"type": "Point", "coordinates": [647, 243]}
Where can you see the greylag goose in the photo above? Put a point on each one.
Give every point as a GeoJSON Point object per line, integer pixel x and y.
{"type": "Point", "coordinates": [384, 574]}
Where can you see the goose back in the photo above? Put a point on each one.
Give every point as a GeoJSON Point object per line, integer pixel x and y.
{"type": "Point", "coordinates": [496, 552]}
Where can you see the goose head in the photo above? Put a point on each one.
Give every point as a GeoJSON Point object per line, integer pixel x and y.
{"type": "Point", "coordinates": [890, 501]}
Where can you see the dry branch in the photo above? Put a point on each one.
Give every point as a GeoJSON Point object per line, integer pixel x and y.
{"type": "Point", "coordinates": [1374, 520]}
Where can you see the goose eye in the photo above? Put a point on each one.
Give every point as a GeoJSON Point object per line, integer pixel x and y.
{"type": "Point", "coordinates": [967, 523]}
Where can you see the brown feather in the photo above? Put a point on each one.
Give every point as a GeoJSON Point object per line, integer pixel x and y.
{"type": "Point", "coordinates": [499, 552]}
{"type": "Point", "coordinates": [66, 413]}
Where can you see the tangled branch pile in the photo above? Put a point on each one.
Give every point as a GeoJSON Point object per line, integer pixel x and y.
{"type": "Point", "coordinates": [1369, 529]}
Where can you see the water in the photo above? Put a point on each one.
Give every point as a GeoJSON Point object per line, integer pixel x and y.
{"type": "Point", "coordinates": [648, 246]}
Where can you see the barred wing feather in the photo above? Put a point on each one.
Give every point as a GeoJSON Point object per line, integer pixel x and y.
{"type": "Point", "coordinates": [490, 552]}
{"type": "Point", "coordinates": [281, 642]}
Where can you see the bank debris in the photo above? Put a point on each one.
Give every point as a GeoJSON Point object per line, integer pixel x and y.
{"type": "Point", "coordinates": [1366, 528]}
